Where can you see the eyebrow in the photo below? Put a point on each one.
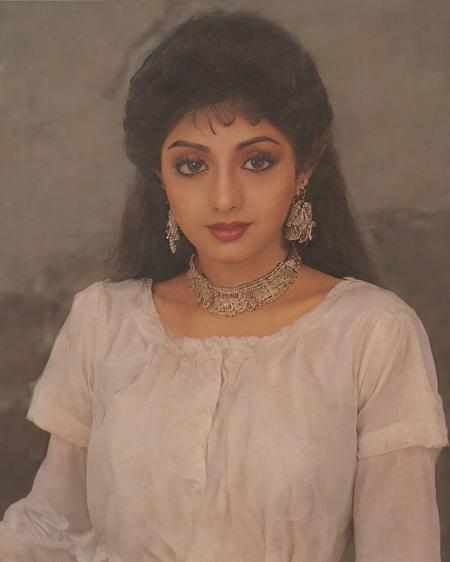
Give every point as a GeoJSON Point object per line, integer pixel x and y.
{"type": "Point", "coordinates": [239, 146]}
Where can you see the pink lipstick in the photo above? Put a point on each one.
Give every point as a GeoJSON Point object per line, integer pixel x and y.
{"type": "Point", "coordinates": [228, 231]}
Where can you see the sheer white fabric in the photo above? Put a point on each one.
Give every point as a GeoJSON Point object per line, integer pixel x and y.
{"type": "Point", "coordinates": [52, 523]}
{"type": "Point", "coordinates": [395, 510]}
{"type": "Point", "coordinates": [234, 449]}
{"type": "Point", "coordinates": [395, 514]}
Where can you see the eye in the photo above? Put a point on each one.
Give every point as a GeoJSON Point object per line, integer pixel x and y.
{"type": "Point", "coordinates": [261, 157]}
{"type": "Point", "coordinates": [192, 166]}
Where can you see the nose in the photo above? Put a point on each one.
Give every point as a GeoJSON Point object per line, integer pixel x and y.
{"type": "Point", "coordinates": [225, 192]}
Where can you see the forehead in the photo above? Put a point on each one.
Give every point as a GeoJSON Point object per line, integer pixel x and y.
{"type": "Point", "coordinates": [219, 126]}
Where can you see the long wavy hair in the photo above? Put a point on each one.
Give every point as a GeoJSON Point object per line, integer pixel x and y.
{"type": "Point", "coordinates": [254, 66]}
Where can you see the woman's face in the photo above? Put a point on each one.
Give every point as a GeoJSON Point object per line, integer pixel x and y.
{"type": "Point", "coordinates": [242, 173]}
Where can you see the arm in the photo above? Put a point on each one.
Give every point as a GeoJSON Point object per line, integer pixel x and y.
{"type": "Point", "coordinates": [401, 428]}
{"type": "Point", "coordinates": [395, 514]}
{"type": "Point", "coordinates": [52, 523]}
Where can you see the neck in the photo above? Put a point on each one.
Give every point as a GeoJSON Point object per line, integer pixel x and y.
{"type": "Point", "coordinates": [234, 273]}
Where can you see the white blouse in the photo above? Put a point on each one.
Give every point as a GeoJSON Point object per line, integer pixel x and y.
{"type": "Point", "coordinates": [293, 447]}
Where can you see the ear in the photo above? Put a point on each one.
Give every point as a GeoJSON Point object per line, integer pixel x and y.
{"type": "Point", "coordinates": [302, 182]}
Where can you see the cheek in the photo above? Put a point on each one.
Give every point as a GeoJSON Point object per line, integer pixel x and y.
{"type": "Point", "coordinates": [273, 202]}
{"type": "Point", "coordinates": [277, 184]}
{"type": "Point", "coordinates": [273, 210]}
{"type": "Point", "coordinates": [188, 210]}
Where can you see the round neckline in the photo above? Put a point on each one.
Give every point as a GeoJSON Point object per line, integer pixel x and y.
{"type": "Point", "coordinates": [246, 342]}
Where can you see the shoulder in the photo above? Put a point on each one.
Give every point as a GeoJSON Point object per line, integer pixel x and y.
{"type": "Point", "coordinates": [111, 295]}
{"type": "Point", "coordinates": [354, 296]}
{"type": "Point", "coordinates": [377, 317]}
{"type": "Point", "coordinates": [110, 288]}
{"type": "Point", "coordinates": [117, 313]}
{"type": "Point", "coordinates": [373, 300]}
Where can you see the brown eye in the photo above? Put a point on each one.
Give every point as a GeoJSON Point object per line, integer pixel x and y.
{"type": "Point", "coordinates": [191, 167]}
{"type": "Point", "coordinates": [257, 161]}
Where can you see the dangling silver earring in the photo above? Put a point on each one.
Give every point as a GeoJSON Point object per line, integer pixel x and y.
{"type": "Point", "coordinates": [172, 232]}
{"type": "Point", "coordinates": [299, 223]}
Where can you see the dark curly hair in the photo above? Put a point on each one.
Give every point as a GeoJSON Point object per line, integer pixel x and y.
{"type": "Point", "coordinates": [253, 65]}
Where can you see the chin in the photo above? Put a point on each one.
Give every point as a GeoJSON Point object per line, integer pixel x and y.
{"type": "Point", "coordinates": [227, 256]}
{"type": "Point", "coordinates": [234, 253]}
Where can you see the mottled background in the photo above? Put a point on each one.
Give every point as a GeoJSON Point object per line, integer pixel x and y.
{"type": "Point", "coordinates": [64, 71]}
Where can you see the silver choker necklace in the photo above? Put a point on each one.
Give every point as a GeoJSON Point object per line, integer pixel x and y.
{"type": "Point", "coordinates": [230, 301]}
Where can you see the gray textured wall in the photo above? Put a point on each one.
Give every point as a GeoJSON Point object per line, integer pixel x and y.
{"type": "Point", "coordinates": [64, 71]}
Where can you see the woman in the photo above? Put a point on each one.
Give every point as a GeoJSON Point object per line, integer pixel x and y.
{"type": "Point", "coordinates": [239, 389]}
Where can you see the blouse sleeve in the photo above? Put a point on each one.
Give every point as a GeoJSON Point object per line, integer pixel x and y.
{"type": "Point", "coordinates": [398, 401]}
{"type": "Point", "coordinates": [395, 514]}
{"type": "Point", "coordinates": [62, 396]}
{"type": "Point", "coordinates": [52, 523]}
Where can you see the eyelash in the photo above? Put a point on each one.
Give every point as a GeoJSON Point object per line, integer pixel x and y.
{"type": "Point", "coordinates": [260, 155]}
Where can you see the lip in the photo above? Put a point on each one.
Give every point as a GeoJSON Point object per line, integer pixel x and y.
{"type": "Point", "coordinates": [228, 234]}
{"type": "Point", "coordinates": [228, 225]}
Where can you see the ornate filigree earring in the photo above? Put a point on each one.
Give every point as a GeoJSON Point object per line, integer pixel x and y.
{"type": "Point", "coordinates": [172, 231]}
{"type": "Point", "coordinates": [299, 223]}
